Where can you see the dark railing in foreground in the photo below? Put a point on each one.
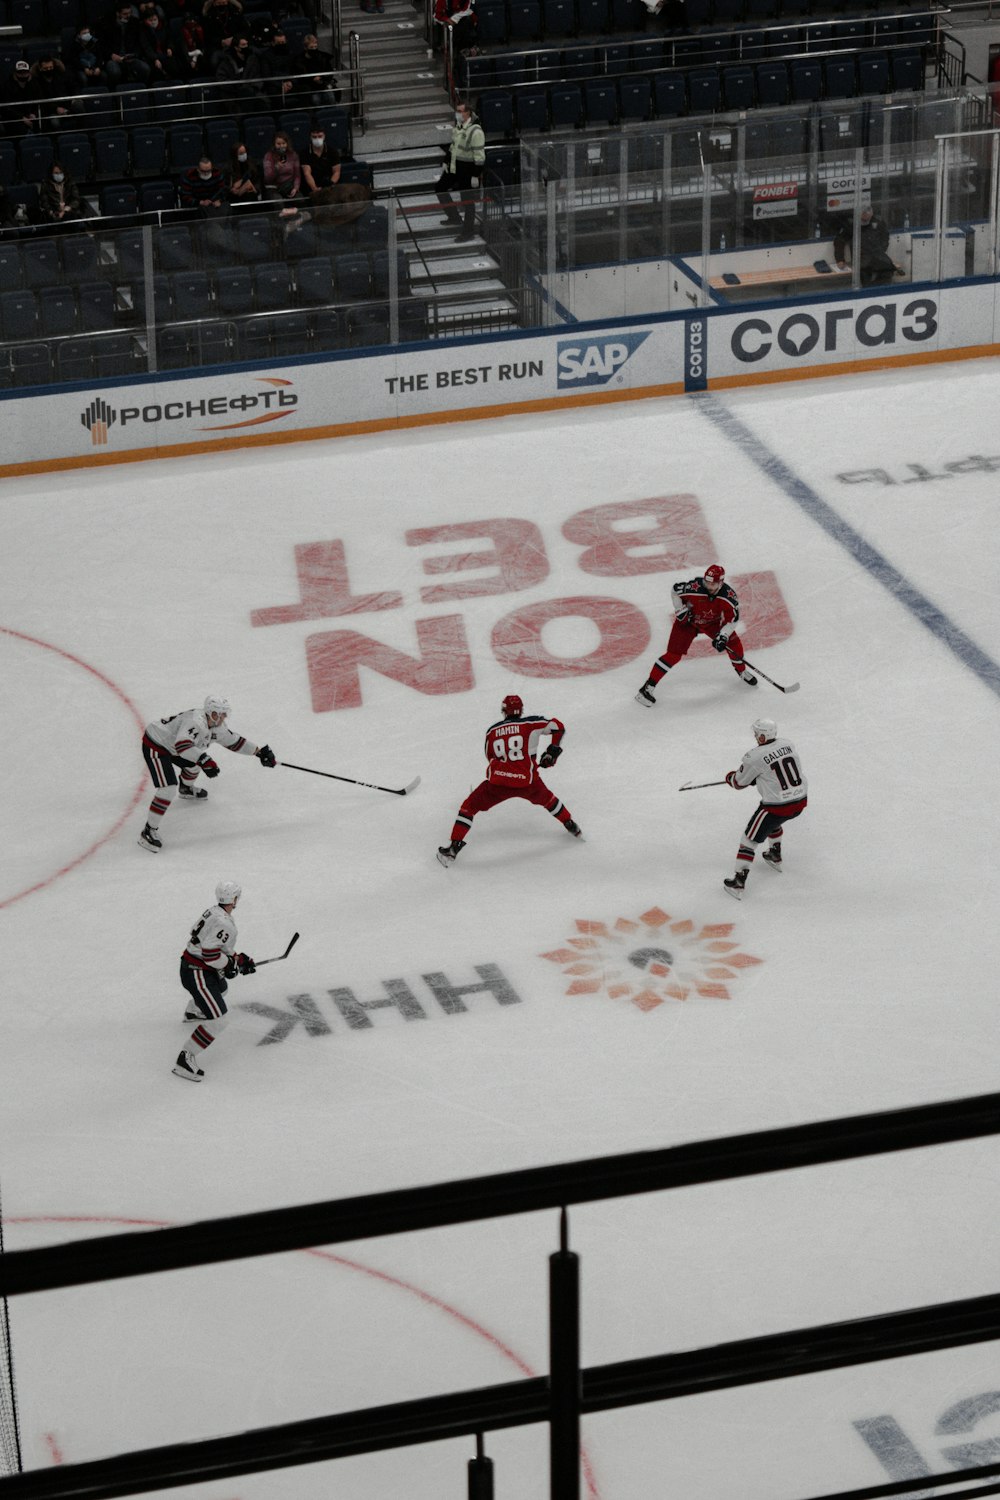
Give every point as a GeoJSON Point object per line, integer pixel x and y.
{"type": "Point", "coordinates": [568, 1393]}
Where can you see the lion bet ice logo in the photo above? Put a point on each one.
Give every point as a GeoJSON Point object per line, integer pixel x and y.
{"type": "Point", "coordinates": [592, 362]}
{"type": "Point", "coordinates": [652, 959]}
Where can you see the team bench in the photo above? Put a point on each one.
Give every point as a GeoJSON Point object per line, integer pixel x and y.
{"type": "Point", "coordinates": [785, 277]}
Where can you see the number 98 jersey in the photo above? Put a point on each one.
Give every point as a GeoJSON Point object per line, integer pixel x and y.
{"type": "Point", "coordinates": [512, 748]}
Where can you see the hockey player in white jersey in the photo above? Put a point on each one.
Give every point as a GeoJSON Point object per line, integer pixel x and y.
{"type": "Point", "coordinates": [208, 961]}
{"type": "Point", "coordinates": [773, 766]}
{"type": "Point", "coordinates": [182, 743]}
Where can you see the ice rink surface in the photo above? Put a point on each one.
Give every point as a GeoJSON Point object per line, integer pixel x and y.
{"type": "Point", "coordinates": [365, 605]}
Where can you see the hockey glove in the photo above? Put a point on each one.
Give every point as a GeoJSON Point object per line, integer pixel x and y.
{"type": "Point", "coordinates": [721, 643]}
{"type": "Point", "coordinates": [686, 617]}
{"type": "Point", "coordinates": [550, 756]}
{"type": "Point", "coordinates": [731, 781]}
{"type": "Point", "coordinates": [231, 970]}
{"type": "Point", "coordinates": [245, 964]}
{"type": "Point", "coordinates": [208, 766]}
{"type": "Point", "coordinates": [267, 757]}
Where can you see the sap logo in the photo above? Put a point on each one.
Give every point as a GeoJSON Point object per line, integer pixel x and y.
{"type": "Point", "coordinates": [594, 361]}
{"type": "Point", "coordinates": [878, 324]}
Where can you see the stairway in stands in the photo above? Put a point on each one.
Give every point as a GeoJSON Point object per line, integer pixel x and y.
{"type": "Point", "coordinates": [408, 121]}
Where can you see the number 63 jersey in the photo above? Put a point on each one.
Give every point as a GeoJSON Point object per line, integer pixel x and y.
{"type": "Point", "coordinates": [777, 770]}
{"type": "Point", "coordinates": [512, 747]}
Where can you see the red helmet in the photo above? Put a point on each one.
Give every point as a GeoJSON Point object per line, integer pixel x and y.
{"type": "Point", "coordinates": [512, 707]}
{"type": "Point", "coordinates": [714, 574]}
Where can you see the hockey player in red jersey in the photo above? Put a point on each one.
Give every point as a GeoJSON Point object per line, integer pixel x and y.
{"type": "Point", "coordinates": [774, 767]}
{"type": "Point", "coordinates": [512, 771]}
{"type": "Point", "coordinates": [704, 606]}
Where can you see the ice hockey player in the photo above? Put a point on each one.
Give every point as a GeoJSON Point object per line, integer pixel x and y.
{"type": "Point", "coordinates": [512, 771]}
{"type": "Point", "coordinates": [773, 767]}
{"type": "Point", "coordinates": [208, 961]}
{"type": "Point", "coordinates": [704, 606]}
{"type": "Point", "coordinates": [182, 743]}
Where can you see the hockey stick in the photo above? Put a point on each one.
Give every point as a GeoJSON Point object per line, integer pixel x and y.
{"type": "Point", "coordinates": [397, 791]}
{"type": "Point", "coordinates": [792, 687]}
{"type": "Point", "coordinates": [695, 786]}
{"type": "Point", "coordinates": [262, 961]}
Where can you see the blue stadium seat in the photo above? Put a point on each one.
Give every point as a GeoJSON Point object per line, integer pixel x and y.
{"type": "Point", "coordinates": [577, 62]}
{"type": "Point", "coordinates": [258, 135]}
{"type": "Point", "coordinates": [503, 165]}
{"type": "Point", "coordinates": [134, 106]}
{"type": "Point", "coordinates": [380, 273]}
{"type": "Point", "coordinates": [687, 52]}
{"type": "Point", "coordinates": [491, 23]}
{"type": "Point", "coordinates": [336, 121]}
{"type": "Point", "coordinates": [873, 73]}
{"type": "Point", "coordinates": [669, 95]}
{"type": "Point", "coordinates": [558, 17]}
{"type": "Point", "coordinates": [57, 313]}
{"type": "Point", "coordinates": [31, 365]}
{"type": "Point", "coordinates": [758, 146]}
{"type": "Point", "coordinates": [18, 315]}
{"type": "Point", "coordinates": [8, 163]}
{"type": "Point", "coordinates": [292, 335]}
{"type": "Point", "coordinates": [840, 79]}
{"type": "Point", "coordinates": [840, 133]}
{"type": "Point", "coordinates": [367, 327]}
{"type": "Point", "coordinates": [627, 15]}
{"type": "Point", "coordinates": [635, 98]}
{"type": "Point", "coordinates": [565, 105]}
{"type": "Point", "coordinates": [272, 286]}
{"type": "Point", "coordinates": [149, 150]}
{"type": "Point", "coordinates": [157, 196]}
{"type": "Point", "coordinates": [25, 194]}
{"type": "Point", "coordinates": [29, 15]}
{"type": "Point", "coordinates": [190, 295]}
{"type": "Point", "coordinates": [233, 290]}
{"type": "Point", "coordinates": [371, 228]}
{"type": "Point", "coordinates": [544, 65]}
{"type": "Point", "coordinates": [531, 108]}
{"type": "Point", "coordinates": [97, 305]}
{"type": "Point", "coordinates": [75, 154]}
{"type": "Point", "coordinates": [220, 138]}
{"type": "Point", "coordinates": [412, 320]}
{"type": "Point", "coordinates": [907, 71]}
{"type": "Point", "coordinates": [496, 112]}
{"type": "Point", "coordinates": [175, 348]}
{"type": "Point", "coordinates": [738, 86]}
{"type": "Point", "coordinates": [78, 253]}
{"type": "Point", "coordinates": [314, 279]}
{"type": "Point", "coordinates": [35, 155]}
{"type": "Point", "coordinates": [616, 58]}
{"type": "Point", "coordinates": [173, 248]}
{"type": "Point", "coordinates": [790, 137]}
{"type": "Point", "coordinates": [305, 242]}
{"type": "Point", "coordinates": [296, 123]}
{"type": "Point", "coordinates": [918, 28]}
{"type": "Point", "coordinates": [591, 17]}
{"type": "Point", "coordinates": [11, 273]}
{"type": "Point", "coordinates": [600, 103]}
{"type": "Point", "coordinates": [524, 20]}
{"type": "Point", "coordinates": [819, 36]}
{"type": "Point", "coordinates": [727, 12]}
{"type": "Point", "coordinates": [807, 81]}
{"type": "Point", "coordinates": [255, 238]}
{"type": "Point", "coordinates": [40, 259]}
{"type": "Point", "coordinates": [110, 153]}
{"type": "Point", "coordinates": [786, 40]}
{"type": "Point", "coordinates": [850, 35]}
{"type": "Point", "coordinates": [510, 68]}
{"type": "Point", "coordinates": [772, 84]}
{"type": "Point", "coordinates": [353, 277]}
{"type": "Point", "coordinates": [646, 56]}
{"type": "Point", "coordinates": [186, 144]}
{"type": "Point", "coordinates": [704, 91]}
{"type": "Point", "coordinates": [255, 338]}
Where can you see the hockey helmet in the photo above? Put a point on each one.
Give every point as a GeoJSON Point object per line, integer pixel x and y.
{"type": "Point", "coordinates": [764, 729]}
{"type": "Point", "coordinates": [512, 707]}
{"type": "Point", "coordinates": [217, 706]}
{"type": "Point", "coordinates": [715, 573]}
{"type": "Point", "coordinates": [228, 892]}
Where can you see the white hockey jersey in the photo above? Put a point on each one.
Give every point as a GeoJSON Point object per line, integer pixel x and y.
{"type": "Point", "coordinates": [212, 940]}
{"type": "Point", "coordinates": [776, 770]}
{"type": "Point", "coordinates": [186, 737]}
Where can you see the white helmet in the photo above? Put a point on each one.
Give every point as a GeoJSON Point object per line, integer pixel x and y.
{"type": "Point", "coordinates": [213, 705]}
{"type": "Point", "coordinates": [228, 892]}
{"type": "Point", "coordinates": [765, 729]}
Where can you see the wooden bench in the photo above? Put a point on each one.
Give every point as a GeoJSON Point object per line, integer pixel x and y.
{"type": "Point", "coordinates": [734, 284]}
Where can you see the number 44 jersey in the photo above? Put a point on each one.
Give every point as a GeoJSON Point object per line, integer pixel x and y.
{"type": "Point", "coordinates": [512, 748]}
{"type": "Point", "coordinates": [776, 769]}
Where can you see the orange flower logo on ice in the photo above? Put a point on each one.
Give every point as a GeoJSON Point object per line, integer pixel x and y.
{"type": "Point", "coordinates": [652, 959]}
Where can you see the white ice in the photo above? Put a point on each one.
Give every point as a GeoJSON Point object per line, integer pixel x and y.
{"type": "Point", "coordinates": [127, 595]}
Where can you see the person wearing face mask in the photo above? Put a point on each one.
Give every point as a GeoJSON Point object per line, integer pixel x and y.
{"type": "Point", "coordinates": [59, 198]}
{"type": "Point", "coordinates": [52, 85]}
{"type": "Point", "coordinates": [87, 60]}
{"type": "Point", "coordinates": [202, 187]}
{"type": "Point", "coordinates": [316, 86]}
{"type": "Point", "coordinates": [466, 156]}
{"type": "Point", "coordinates": [279, 71]}
{"type": "Point", "coordinates": [282, 170]}
{"type": "Point", "coordinates": [321, 167]}
{"type": "Point", "coordinates": [122, 42]}
{"type": "Point", "coordinates": [245, 182]}
{"type": "Point", "coordinates": [156, 49]}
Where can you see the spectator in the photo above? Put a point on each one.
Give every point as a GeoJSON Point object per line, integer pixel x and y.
{"type": "Point", "coordinates": [222, 18]}
{"type": "Point", "coordinates": [86, 59]}
{"type": "Point", "coordinates": [321, 166]}
{"type": "Point", "coordinates": [52, 85]}
{"type": "Point", "coordinates": [282, 170]}
{"type": "Point", "coordinates": [149, 8]}
{"type": "Point", "coordinates": [245, 183]}
{"type": "Point", "coordinates": [203, 187]}
{"type": "Point", "coordinates": [192, 42]}
{"type": "Point", "coordinates": [239, 63]}
{"type": "Point", "coordinates": [20, 101]}
{"type": "Point", "coordinates": [279, 73]}
{"type": "Point", "coordinates": [466, 158]}
{"type": "Point", "coordinates": [157, 52]}
{"type": "Point", "coordinates": [123, 39]}
{"type": "Point", "coordinates": [316, 87]}
{"type": "Point", "coordinates": [458, 17]}
{"type": "Point", "coordinates": [876, 265]}
{"type": "Point", "coordinates": [59, 198]}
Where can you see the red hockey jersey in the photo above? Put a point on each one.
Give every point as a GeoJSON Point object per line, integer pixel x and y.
{"type": "Point", "coordinates": [714, 614]}
{"type": "Point", "coordinates": [512, 747]}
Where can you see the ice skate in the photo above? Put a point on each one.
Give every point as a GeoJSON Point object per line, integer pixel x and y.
{"type": "Point", "coordinates": [148, 840]}
{"type": "Point", "coordinates": [645, 696]}
{"type": "Point", "coordinates": [192, 793]}
{"type": "Point", "coordinates": [772, 857]}
{"type": "Point", "coordinates": [186, 1066]}
{"type": "Point", "coordinates": [448, 854]}
{"type": "Point", "coordinates": [747, 678]}
{"type": "Point", "coordinates": [574, 829]}
{"type": "Point", "coordinates": [737, 884]}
